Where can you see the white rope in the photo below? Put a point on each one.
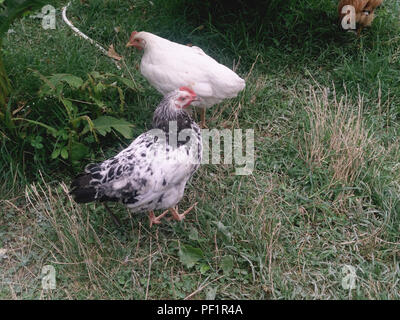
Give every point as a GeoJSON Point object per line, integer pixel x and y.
{"type": "Point", "coordinates": [84, 36]}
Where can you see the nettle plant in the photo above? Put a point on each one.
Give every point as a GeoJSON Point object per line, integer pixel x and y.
{"type": "Point", "coordinates": [85, 109]}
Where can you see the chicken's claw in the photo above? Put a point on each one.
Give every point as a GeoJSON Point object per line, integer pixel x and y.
{"type": "Point", "coordinates": [154, 219]}
{"type": "Point", "coordinates": [179, 217]}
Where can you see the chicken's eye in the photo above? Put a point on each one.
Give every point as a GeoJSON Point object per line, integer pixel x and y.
{"type": "Point", "coordinates": [182, 99]}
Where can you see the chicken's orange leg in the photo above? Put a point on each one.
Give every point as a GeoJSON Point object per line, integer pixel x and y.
{"type": "Point", "coordinates": [154, 219]}
{"type": "Point", "coordinates": [179, 217]}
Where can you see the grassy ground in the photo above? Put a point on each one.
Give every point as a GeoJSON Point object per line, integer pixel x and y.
{"type": "Point", "coordinates": [324, 193]}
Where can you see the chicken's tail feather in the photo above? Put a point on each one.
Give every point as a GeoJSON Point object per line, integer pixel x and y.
{"type": "Point", "coordinates": [81, 190]}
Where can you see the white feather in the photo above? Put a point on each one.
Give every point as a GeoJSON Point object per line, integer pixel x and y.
{"type": "Point", "coordinates": [168, 65]}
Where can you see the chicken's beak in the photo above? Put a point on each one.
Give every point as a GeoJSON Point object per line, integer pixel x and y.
{"type": "Point", "coordinates": [195, 99]}
{"type": "Point", "coordinates": [131, 44]}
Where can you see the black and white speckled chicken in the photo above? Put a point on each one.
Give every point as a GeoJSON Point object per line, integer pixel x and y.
{"type": "Point", "coordinates": [152, 172]}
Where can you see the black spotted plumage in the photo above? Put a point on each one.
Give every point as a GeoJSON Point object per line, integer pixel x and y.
{"type": "Point", "coordinates": [151, 173]}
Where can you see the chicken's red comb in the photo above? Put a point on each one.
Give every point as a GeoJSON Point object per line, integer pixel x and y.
{"type": "Point", "coordinates": [188, 90]}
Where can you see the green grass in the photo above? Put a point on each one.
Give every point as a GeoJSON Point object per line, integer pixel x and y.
{"type": "Point", "coordinates": [324, 192]}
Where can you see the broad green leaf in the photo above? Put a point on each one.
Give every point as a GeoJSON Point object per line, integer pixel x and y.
{"type": "Point", "coordinates": [129, 83]}
{"type": "Point", "coordinates": [97, 75]}
{"type": "Point", "coordinates": [63, 134]}
{"type": "Point", "coordinates": [37, 145]}
{"type": "Point", "coordinates": [78, 151]}
{"type": "Point", "coordinates": [189, 255]}
{"type": "Point", "coordinates": [227, 264]}
{"type": "Point", "coordinates": [105, 124]}
{"type": "Point", "coordinates": [73, 81]}
{"type": "Point", "coordinates": [204, 268]}
{"type": "Point", "coordinates": [55, 153]}
{"type": "Point", "coordinates": [64, 153]}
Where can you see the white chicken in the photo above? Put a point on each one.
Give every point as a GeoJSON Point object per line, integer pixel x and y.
{"type": "Point", "coordinates": [168, 65]}
{"type": "Point", "coordinates": [152, 172]}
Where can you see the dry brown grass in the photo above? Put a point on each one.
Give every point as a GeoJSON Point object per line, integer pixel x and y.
{"type": "Point", "coordinates": [338, 137]}
{"type": "Point", "coordinates": [73, 242]}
